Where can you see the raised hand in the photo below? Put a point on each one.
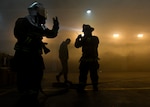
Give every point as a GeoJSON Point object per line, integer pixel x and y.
{"type": "Point", "coordinates": [55, 21]}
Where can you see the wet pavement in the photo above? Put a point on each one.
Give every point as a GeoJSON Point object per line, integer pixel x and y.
{"type": "Point", "coordinates": [128, 89]}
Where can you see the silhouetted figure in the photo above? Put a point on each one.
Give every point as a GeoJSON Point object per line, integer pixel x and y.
{"type": "Point", "coordinates": [28, 61]}
{"type": "Point", "coordinates": [64, 56]}
{"type": "Point", "coordinates": [89, 59]}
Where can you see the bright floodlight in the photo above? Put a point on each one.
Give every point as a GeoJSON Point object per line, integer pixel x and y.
{"type": "Point", "coordinates": [116, 35]}
{"type": "Point", "coordinates": [140, 35]}
{"type": "Point", "coordinates": [88, 11]}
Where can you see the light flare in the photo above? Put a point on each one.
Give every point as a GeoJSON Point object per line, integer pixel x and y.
{"type": "Point", "coordinates": [116, 35]}
{"type": "Point", "coordinates": [140, 35]}
{"type": "Point", "coordinates": [88, 11]}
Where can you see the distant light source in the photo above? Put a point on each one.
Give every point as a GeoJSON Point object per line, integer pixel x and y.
{"type": "Point", "coordinates": [116, 35]}
{"type": "Point", "coordinates": [140, 35]}
{"type": "Point", "coordinates": [88, 11]}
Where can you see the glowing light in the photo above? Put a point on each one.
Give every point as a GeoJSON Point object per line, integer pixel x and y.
{"type": "Point", "coordinates": [88, 11]}
{"type": "Point", "coordinates": [140, 35]}
{"type": "Point", "coordinates": [82, 35]}
{"type": "Point", "coordinates": [116, 35]}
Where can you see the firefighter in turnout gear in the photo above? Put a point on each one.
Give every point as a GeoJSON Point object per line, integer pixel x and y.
{"type": "Point", "coordinates": [89, 59]}
{"type": "Point", "coordinates": [28, 61]}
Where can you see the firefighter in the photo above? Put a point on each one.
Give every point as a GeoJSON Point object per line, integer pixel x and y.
{"type": "Point", "coordinates": [28, 61]}
{"type": "Point", "coordinates": [89, 59]}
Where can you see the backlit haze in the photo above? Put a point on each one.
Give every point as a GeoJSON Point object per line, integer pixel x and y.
{"type": "Point", "coordinates": [117, 23]}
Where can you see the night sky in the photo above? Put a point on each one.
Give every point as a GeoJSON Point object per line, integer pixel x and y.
{"type": "Point", "coordinates": [124, 17]}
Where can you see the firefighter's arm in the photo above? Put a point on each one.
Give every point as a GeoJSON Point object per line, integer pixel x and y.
{"type": "Point", "coordinates": [79, 41]}
{"type": "Point", "coordinates": [52, 33]}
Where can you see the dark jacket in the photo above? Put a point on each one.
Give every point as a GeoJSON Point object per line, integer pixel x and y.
{"type": "Point", "coordinates": [29, 37]}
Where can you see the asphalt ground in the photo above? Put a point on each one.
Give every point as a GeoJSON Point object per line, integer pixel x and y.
{"type": "Point", "coordinates": [128, 89]}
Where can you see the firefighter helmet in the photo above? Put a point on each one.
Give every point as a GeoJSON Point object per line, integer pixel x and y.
{"type": "Point", "coordinates": [37, 8]}
{"type": "Point", "coordinates": [87, 28]}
